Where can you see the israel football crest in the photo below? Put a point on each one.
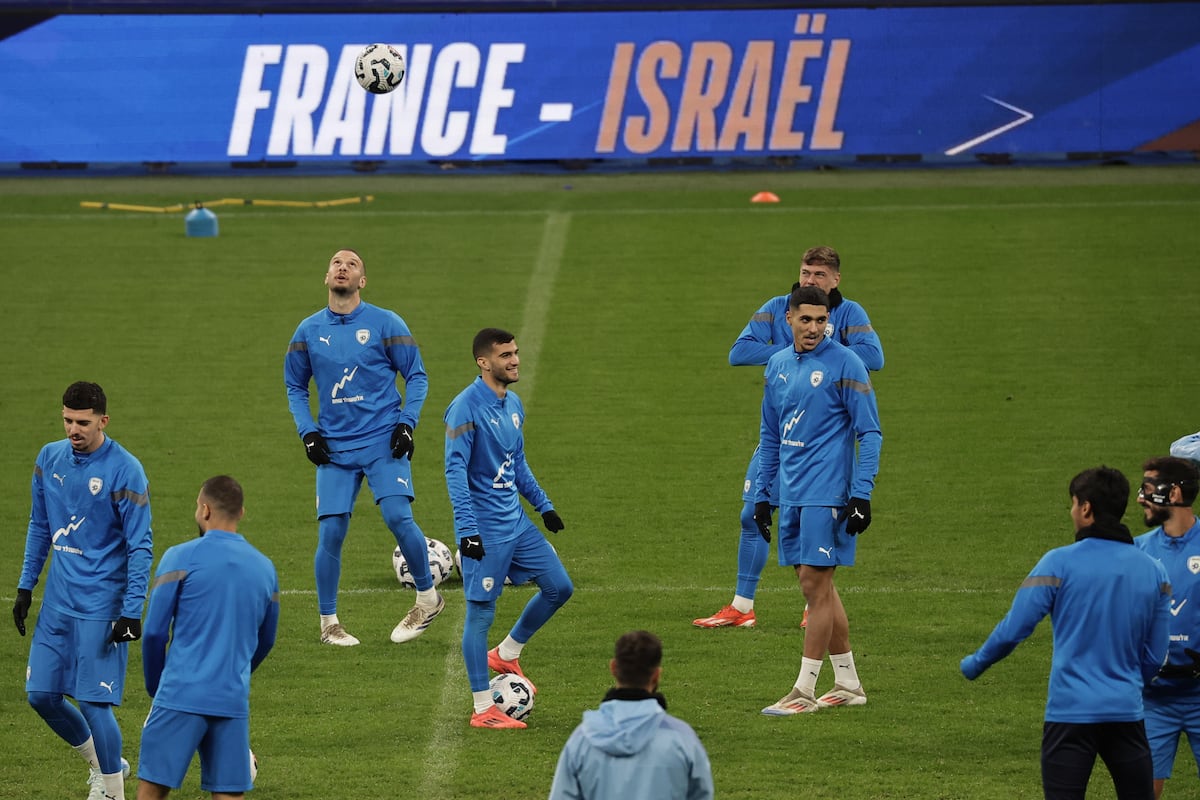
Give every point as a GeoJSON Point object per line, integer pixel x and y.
{"type": "Point", "coordinates": [95, 485]}
{"type": "Point", "coordinates": [363, 335]}
{"type": "Point", "coordinates": [487, 584]}
{"type": "Point", "coordinates": [816, 377]}
{"type": "Point", "coordinates": [828, 330]}
{"type": "Point", "coordinates": [516, 420]}
{"type": "Point", "coordinates": [1194, 564]}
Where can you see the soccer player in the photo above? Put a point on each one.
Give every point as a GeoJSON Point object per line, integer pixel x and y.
{"type": "Point", "coordinates": [353, 352]}
{"type": "Point", "coordinates": [1172, 698]}
{"type": "Point", "coordinates": [216, 600]}
{"type": "Point", "coordinates": [765, 334]}
{"type": "Point", "coordinates": [91, 506]}
{"type": "Point", "coordinates": [818, 405]}
{"type": "Point", "coordinates": [486, 476]}
{"type": "Point", "coordinates": [631, 748]}
{"type": "Point", "coordinates": [1109, 606]}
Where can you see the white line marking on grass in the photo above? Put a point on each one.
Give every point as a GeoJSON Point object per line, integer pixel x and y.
{"type": "Point", "coordinates": [537, 300]}
{"type": "Point", "coordinates": [788, 209]}
{"type": "Point", "coordinates": [445, 734]}
{"type": "Point", "coordinates": [650, 589]}
{"type": "Point", "coordinates": [445, 746]}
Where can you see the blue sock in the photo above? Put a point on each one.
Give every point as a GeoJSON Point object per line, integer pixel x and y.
{"type": "Point", "coordinates": [554, 589]}
{"type": "Point", "coordinates": [105, 733]}
{"type": "Point", "coordinates": [327, 563]}
{"type": "Point", "coordinates": [62, 717]}
{"type": "Point", "coordinates": [474, 642]}
{"type": "Point", "coordinates": [752, 554]}
{"type": "Point", "coordinates": [397, 513]}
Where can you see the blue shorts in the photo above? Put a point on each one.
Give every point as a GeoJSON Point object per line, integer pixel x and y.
{"type": "Point", "coordinates": [1166, 717]}
{"type": "Point", "coordinates": [170, 739]}
{"type": "Point", "coordinates": [338, 483]}
{"type": "Point", "coordinates": [74, 657]}
{"type": "Point", "coordinates": [814, 536]}
{"type": "Point", "coordinates": [521, 560]}
{"type": "Point", "coordinates": [750, 483]}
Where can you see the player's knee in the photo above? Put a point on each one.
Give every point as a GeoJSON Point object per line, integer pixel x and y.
{"type": "Point", "coordinates": [331, 531]}
{"type": "Point", "coordinates": [558, 592]}
{"type": "Point", "coordinates": [479, 613]}
{"type": "Point", "coordinates": [747, 518]}
{"type": "Point", "coordinates": [44, 702]}
{"type": "Point", "coordinates": [398, 516]}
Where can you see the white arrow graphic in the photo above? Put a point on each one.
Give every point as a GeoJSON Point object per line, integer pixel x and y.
{"type": "Point", "coordinates": [1025, 117]}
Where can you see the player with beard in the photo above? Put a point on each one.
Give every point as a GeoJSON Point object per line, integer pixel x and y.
{"type": "Point", "coordinates": [486, 477]}
{"type": "Point", "coordinates": [765, 334]}
{"type": "Point", "coordinates": [353, 352]}
{"type": "Point", "coordinates": [1172, 699]}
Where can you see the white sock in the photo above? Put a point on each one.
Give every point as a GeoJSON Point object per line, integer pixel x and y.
{"type": "Point", "coordinates": [810, 670]}
{"type": "Point", "coordinates": [844, 672]}
{"type": "Point", "coordinates": [114, 786]}
{"type": "Point", "coordinates": [482, 700]}
{"type": "Point", "coordinates": [328, 619]}
{"type": "Point", "coordinates": [88, 751]}
{"type": "Point", "coordinates": [743, 604]}
{"type": "Point", "coordinates": [510, 649]}
{"type": "Point", "coordinates": [427, 598]}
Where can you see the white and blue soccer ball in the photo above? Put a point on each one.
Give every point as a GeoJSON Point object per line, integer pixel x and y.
{"type": "Point", "coordinates": [513, 695]}
{"type": "Point", "coordinates": [379, 68]}
{"type": "Point", "coordinates": [441, 564]}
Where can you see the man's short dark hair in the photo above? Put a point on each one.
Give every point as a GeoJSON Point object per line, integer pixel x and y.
{"type": "Point", "coordinates": [82, 395]}
{"type": "Point", "coordinates": [1105, 488]}
{"type": "Point", "coordinates": [638, 654]}
{"type": "Point", "coordinates": [224, 494]}
{"type": "Point", "coordinates": [1179, 471]}
{"type": "Point", "coordinates": [487, 338]}
{"type": "Point", "coordinates": [808, 295]}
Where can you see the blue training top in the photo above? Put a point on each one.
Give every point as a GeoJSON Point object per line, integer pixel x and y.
{"type": "Point", "coordinates": [816, 405]}
{"type": "Point", "coordinates": [93, 511]}
{"type": "Point", "coordinates": [354, 359]}
{"type": "Point", "coordinates": [768, 332]}
{"type": "Point", "coordinates": [1180, 556]}
{"type": "Point", "coordinates": [216, 599]}
{"type": "Point", "coordinates": [1109, 606]}
{"type": "Point", "coordinates": [486, 472]}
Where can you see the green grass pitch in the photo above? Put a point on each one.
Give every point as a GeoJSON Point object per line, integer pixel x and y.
{"type": "Point", "coordinates": [1035, 323]}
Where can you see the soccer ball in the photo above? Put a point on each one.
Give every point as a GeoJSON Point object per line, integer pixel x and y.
{"type": "Point", "coordinates": [441, 564]}
{"type": "Point", "coordinates": [513, 695]}
{"type": "Point", "coordinates": [379, 68]}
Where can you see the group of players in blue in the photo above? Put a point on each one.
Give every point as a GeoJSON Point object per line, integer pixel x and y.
{"type": "Point", "coordinates": [816, 463]}
{"type": "Point", "coordinates": [214, 599]}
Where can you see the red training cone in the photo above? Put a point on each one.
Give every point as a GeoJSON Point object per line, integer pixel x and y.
{"type": "Point", "coordinates": [765, 197]}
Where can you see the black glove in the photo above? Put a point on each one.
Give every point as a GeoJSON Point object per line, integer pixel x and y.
{"type": "Point", "coordinates": [1191, 671]}
{"type": "Point", "coordinates": [552, 521]}
{"type": "Point", "coordinates": [21, 609]}
{"type": "Point", "coordinates": [858, 516]}
{"type": "Point", "coordinates": [126, 629]}
{"type": "Point", "coordinates": [471, 546]}
{"type": "Point", "coordinates": [762, 518]}
{"type": "Point", "coordinates": [402, 441]}
{"type": "Point", "coordinates": [316, 449]}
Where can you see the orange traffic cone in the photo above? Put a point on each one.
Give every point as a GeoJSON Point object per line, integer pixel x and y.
{"type": "Point", "coordinates": [765, 197]}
